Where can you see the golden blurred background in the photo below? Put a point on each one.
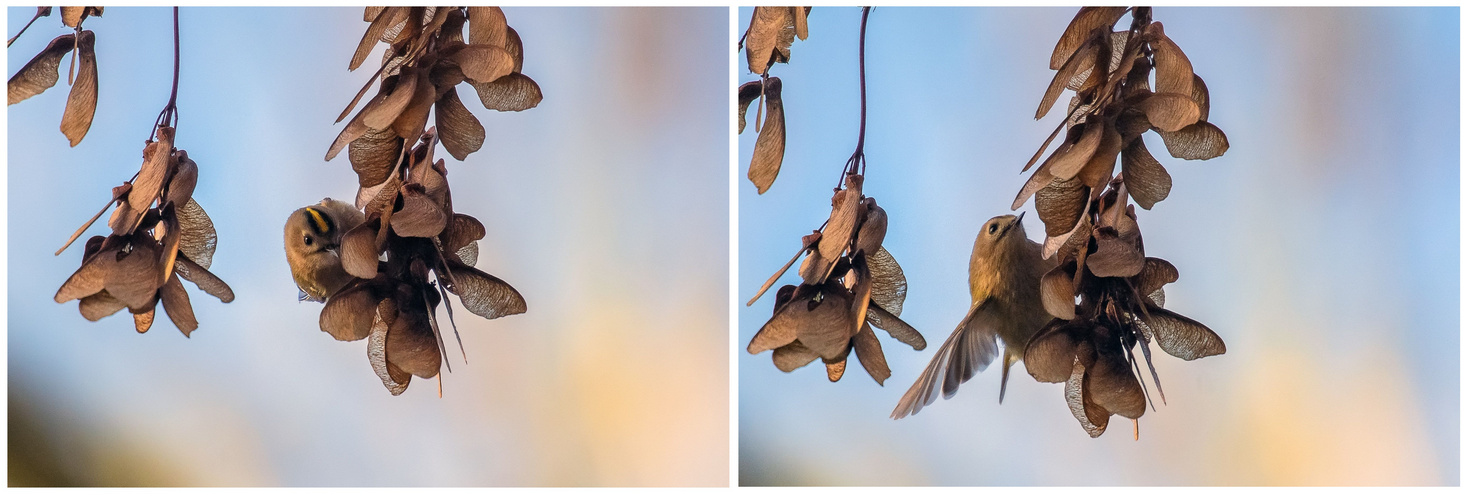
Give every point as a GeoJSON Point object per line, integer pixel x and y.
{"type": "Point", "coordinates": [606, 207]}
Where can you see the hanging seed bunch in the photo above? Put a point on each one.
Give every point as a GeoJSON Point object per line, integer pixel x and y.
{"type": "Point", "coordinates": [768, 40]}
{"type": "Point", "coordinates": [428, 55]}
{"type": "Point", "coordinates": [850, 285]}
{"type": "Point", "coordinates": [1105, 293]}
{"type": "Point", "coordinates": [413, 249]}
{"type": "Point", "coordinates": [160, 235]}
{"type": "Point", "coordinates": [412, 225]}
{"type": "Point", "coordinates": [43, 71]}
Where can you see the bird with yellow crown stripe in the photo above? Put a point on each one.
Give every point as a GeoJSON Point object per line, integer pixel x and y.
{"type": "Point", "coordinates": [312, 237]}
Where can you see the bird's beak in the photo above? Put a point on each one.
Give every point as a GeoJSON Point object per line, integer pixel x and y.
{"type": "Point", "coordinates": [1016, 222]}
{"type": "Point", "coordinates": [333, 250]}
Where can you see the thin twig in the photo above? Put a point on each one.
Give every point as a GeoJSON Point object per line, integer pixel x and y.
{"type": "Point", "coordinates": [444, 292]}
{"type": "Point", "coordinates": [856, 163]}
{"type": "Point", "coordinates": [774, 277]}
{"type": "Point", "coordinates": [169, 116]}
{"type": "Point", "coordinates": [434, 326]}
{"type": "Point", "coordinates": [40, 11]}
{"type": "Point", "coordinates": [862, 85]}
{"type": "Point", "coordinates": [94, 218]}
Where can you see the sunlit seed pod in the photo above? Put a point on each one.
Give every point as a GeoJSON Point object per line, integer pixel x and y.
{"type": "Point", "coordinates": [875, 227]}
{"type": "Point", "coordinates": [843, 222]}
{"type": "Point", "coordinates": [185, 177]}
{"type": "Point", "coordinates": [814, 268]}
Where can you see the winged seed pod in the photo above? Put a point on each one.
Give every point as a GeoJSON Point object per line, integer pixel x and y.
{"type": "Point", "coordinates": [411, 229]}
{"type": "Point", "coordinates": [771, 141]}
{"type": "Point", "coordinates": [1106, 295]}
{"type": "Point", "coordinates": [410, 232]}
{"type": "Point", "coordinates": [768, 40]}
{"type": "Point", "coordinates": [428, 56]}
{"type": "Point", "coordinates": [1112, 107]}
{"type": "Point", "coordinates": [43, 71]}
{"type": "Point", "coordinates": [160, 236]}
{"type": "Point", "coordinates": [850, 285]}
{"type": "Point", "coordinates": [769, 36]}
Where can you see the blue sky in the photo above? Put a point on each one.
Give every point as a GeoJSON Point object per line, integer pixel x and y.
{"type": "Point", "coordinates": [1322, 248]}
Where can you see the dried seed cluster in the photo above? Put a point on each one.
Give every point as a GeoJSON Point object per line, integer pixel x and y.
{"type": "Point", "coordinates": [850, 285]}
{"type": "Point", "coordinates": [768, 40]}
{"type": "Point", "coordinates": [428, 55]}
{"type": "Point", "coordinates": [1106, 295]}
{"type": "Point", "coordinates": [43, 71]}
{"type": "Point", "coordinates": [159, 236]}
{"type": "Point", "coordinates": [410, 229]}
{"type": "Point", "coordinates": [392, 302]}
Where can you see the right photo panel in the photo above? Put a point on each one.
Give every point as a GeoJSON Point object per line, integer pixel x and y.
{"type": "Point", "coordinates": [1108, 246]}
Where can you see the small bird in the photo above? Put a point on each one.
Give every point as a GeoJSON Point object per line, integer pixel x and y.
{"type": "Point", "coordinates": [312, 236]}
{"type": "Point", "coordinates": [1006, 300]}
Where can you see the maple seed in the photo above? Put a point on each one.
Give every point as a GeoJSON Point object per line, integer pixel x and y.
{"type": "Point", "coordinates": [768, 40]}
{"type": "Point", "coordinates": [1106, 294]}
{"type": "Point", "coordinates": [160, 237]}
{"type": "Point", "coordinates": [428, 56]}
{"type": "Point", "coordinates": [427, 253]}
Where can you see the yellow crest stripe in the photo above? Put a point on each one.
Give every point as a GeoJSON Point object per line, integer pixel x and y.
{"type": "Point", "coordinates": [321, 223]}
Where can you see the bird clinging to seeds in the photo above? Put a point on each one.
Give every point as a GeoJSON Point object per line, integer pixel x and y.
{"type": "Point", "coordinates": [313, 235]}
{"type": "Point", "coordinates": [1005, 289]}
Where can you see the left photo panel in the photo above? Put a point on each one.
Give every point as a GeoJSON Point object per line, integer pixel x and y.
{"type": "Point", "coordinates": [381, 246]}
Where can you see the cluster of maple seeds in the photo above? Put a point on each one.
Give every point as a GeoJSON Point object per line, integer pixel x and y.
{"type": "Point", "coordinates": [411, 230]}
{"type": "Point", "coordinates": [1105, 293]}
{"type": "Point", "coordinates": [427, 57]}
{"type": "Point", "coordinates": [43, 71]}
{"type": "Point", "coordinates": [850, 285]}
{"type": "Point", "coordinates": [159, 236]}
{"type": "Point", "coordinates": [768, 40]}
{"type": "Point", "coordinates": [392, 302]}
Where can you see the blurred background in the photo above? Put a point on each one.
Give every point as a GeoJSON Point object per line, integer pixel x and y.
{"type": "Point", "coordinates": [1322, 247]}
{"type": "Point", "coordinates": [606, 207]}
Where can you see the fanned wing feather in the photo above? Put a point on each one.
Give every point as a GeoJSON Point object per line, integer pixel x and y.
{"type": "Point", "coordinates": [970, 348]}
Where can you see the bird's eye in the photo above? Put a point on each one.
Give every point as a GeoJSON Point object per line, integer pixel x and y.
{"type": "Point", "coordinates": [307, 239]}
{"type": "Point", "coordinates": [992, 229]}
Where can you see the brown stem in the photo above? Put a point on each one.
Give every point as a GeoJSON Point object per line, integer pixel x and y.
{"type": "Point", "coordinates": [856, 163]}
{"type": "Point", "coordinates": [1142, 17]}
{"type": "Point", "coordinates": [40, 11]}
{"type": "Point", "coordinates": [169, 115]}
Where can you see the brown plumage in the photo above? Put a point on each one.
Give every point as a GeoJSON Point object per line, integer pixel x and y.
{"type": "Point", "coordinates": [1005, 289]}
{"type": "Point", "coordinates": [312, 236]}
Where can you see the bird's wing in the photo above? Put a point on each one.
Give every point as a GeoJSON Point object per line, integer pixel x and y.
{"type": "Point", "coordinates": [970, 348]}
